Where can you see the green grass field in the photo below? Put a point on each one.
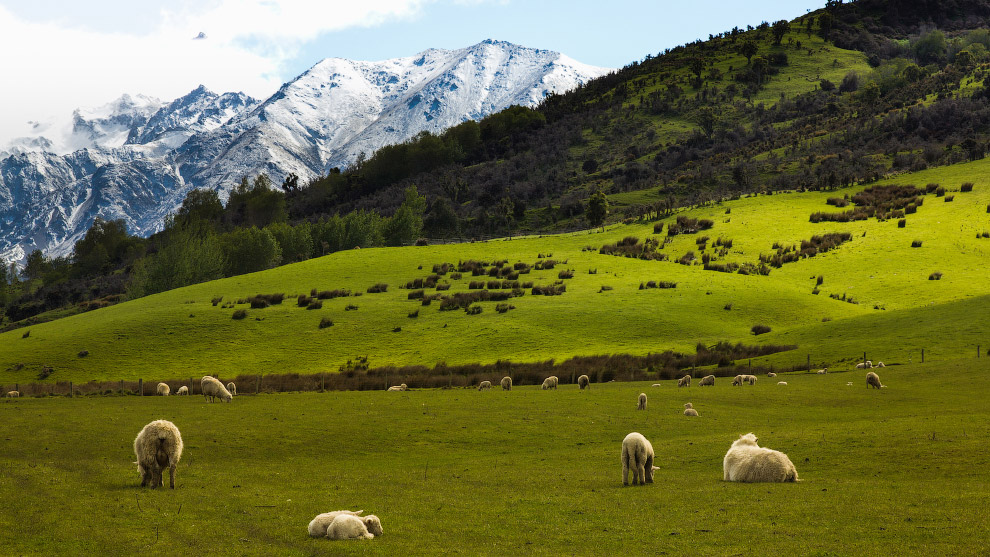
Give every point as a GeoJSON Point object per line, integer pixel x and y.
{"type": "Point", "coordinates": [180, 334]}
{"type": "Point", "coordinates": [901, 469]}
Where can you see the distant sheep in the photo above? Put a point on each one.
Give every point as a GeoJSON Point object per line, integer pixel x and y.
{"type": "Point", "coordinates": [737, 380]}
{"type": "Point", "coordinates": [637, 454]}
{"type": "Point", "coordinates": [213, 389]}
{"type": "Point", "coordinates": [402, 387]}
{"type": "Point", "coordinates": [880, 364]}
{"type": "Point", "coordinates": [864, 365]}
{"type": "Point", "coordinates": [555, 380]}
{"type": "Point", "coordinates": [642, 402]}
{"type": "Point", "coordinates": [771, 374]}
{"type": "Point", "coordinates": [782, 382]}
{"type": "Point", "coordinates": [163, 389]}
{"type": "Point", "coordinates": [849, 384]}
{"type": "Point", "coordinates": [707, 380]}
{"type": "Point", "coordinates": [690, 412]}
{"type": "Point", "coordinates": [688, 405]}
{"type": "Point", "coordinates": [13, 394]}
{"type": "Point", "coordinates": [183, 390]}
{"type": "Point", "coordinates": [584, 382]}
{"type": "Point", "coordinates": [748, 462]}
{"type": "Point", "coordinates": [822, 371]}
{"type": "Point", "coordinates": [751, 379]}
{"type": "Point", "coordinates": [232, 388]}
{"type": "Point", "coordinates": [158, 446]}
{"type": "Point", "coordinates": [684, 381]}
{"type": "Point", "coordinates": [656, 385]}
{"type": "Point", "coordinates": [873, 380]}
{"type": "Point", "coordinates": [318, 526]}
{"type": "Point", "coordinates": [506, 383]}
{"type": "Point", "coordinates": [549, 383]}
{"type": "Point", "coordinates": [485, 385]}
{"type": "Point", "coordinates": [350, 527]}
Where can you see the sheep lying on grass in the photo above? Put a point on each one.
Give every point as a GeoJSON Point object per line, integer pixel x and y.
{"type": "Point", "coordinates": [642, 402]}
{"type": "Point", "coordinates": [771, 374]}
{"type": "Point", "coordinates": [880, 364]}
{"type": "Point", "coordinates": [13, 394]}
{"type": "Point", "coordinates": [864, 365]}
{"type": "Point", "coordinates": [163, 389]}
{"type": "Point", "coordinates": [873, 380]}
{"type": "Point", "coordinates": [506, 383]}
{"type": "Point", "coordinates": [183, 390]}
{"type": "Point", "coordinates": [690, 412]}
{"type": "Point", "coordinates": [707, 380]}
{"type": "Point", "coordinates": [232, 388]}
{"type": "Point", "coordinates": [684, 381]}
{"type": "Point", "coordinates": [656, 385]}
{"type": "Point", "coordinates": [350, 527]}
{"type": "Point", "coordinates": [637, 454]}
{"type": "Point", "coordinates": [584, 382]}
{"type": "Point", "coordinates": [158, 446]}
{"type": "Point", "coordinates": [748, 462]}
{"type": "Point", "coordinates": [318, 526]}
{"type": "Point", "coordinates": [484, 385]}
{"type": "Point", "coordinates": [214, 389]}
{"type": "Point", "coordinates": [782, 382]}
{"type": "Point", "coordinates": [402, 387]}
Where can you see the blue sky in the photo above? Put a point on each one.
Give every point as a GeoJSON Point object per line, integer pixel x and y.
{"type": "Point", "coordinates": [85, 54]}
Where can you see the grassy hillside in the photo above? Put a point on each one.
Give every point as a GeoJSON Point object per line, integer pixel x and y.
{"type": "Point", "coordinates": [899, 311]}
{"type": "Point", "coordinates": [902, 469]}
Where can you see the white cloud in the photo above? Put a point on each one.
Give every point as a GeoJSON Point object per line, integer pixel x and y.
{"type": "Point", "coordinates": [58, 68]}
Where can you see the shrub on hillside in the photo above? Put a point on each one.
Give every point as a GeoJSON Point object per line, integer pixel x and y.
{"type": "Point", "coordinates": [566, 274]}
{"type": "Point", "coordinates": [239, 314]}
{"type": "Point", "coordinates": [315, 304]}
{"type": "Point", "coordinates": [916, 244]}
{"type": "Point", "coordinates": [902, 223]}
{"type": "Point", "coordinates": [473, 310]}
{"type": "Point", "coordinates": [326, 322]}
{"type": "Point", "coordinates": [935, 276]}
{"type": "Point", "coordinates": [949, 198]}
{"type": "Point", "coordinates": [216, 300]}
{"type": "Point", "coordinates": [966, 187]}
{"type": "Point", "coordinates": [378, 288]}
{"type": "Point", "coordinates": [759, 329]}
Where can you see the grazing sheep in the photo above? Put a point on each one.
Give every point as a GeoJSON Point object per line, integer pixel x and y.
{"type": "Point", "coordinates": [873, 380]}
{"type": "Point", "coordinates": [318, 526]}
{"type": "Point", "coordinates": [402, 387]}
{"type": "Point", "coordinates": [690, 412]}
{"type": "Point", "coordinates": [751, 379]}
{"type": "Point", "coordinates": [232, 388]}
{"type": "Point", "coordinates": [747, 462]}
{"type": "Point", "coordinates": [707, 380]}
{"type": "Point", "coordinates": [637, 453]}
{"type": "Point", "coordinates": [164, 389]}
{"type": "Point", "coordinates": [771, 374]}
{"type": "Point", "coordinates": [485, 385]}
{"type": "Point", "coordinates": [782, 382]}
{"type": "Point", "coordinates": [880, 364]}
{"type": "Point", "coordinates": [183, 390]}
{"type": "Point", "coordinates": [158, 446]}
{"type": "Point", "coordinates": [688, 405]}
{"type": "Point", "coordinates": [555, 380]}
{"type": "Point", "coordinates": [549, 383]}
{"type": "Point", "coordinates": [506, 383]}
{"type": "Point", "coordinates": [822, 371]}
{"type": "Point", "coordinates": [642, 402]}
{"type": "Point", "coordinates": [349, 527]}
{"type": "Point", "coordinates": [584, 382]}
{"type": "Point", "coordinates": [213, 389]}
{"type": "Point", "coordinates": [13, 394]}
{"type": "Point", "coordinates": [737, 380]}
{"type": "Point", "coordinates": [684, 381]}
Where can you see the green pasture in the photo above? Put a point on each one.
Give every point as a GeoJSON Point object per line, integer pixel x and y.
{"type": "Point", "coordinates": [899, 311]}
{"type": "Point", "coordinates": [901, 469]}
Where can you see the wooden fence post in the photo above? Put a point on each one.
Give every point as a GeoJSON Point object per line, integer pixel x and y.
{"type": "Point", "coordinates": [121, 386]}
{"type": "Point", "coordinates": [70, 389]}
{"type": "Point", "coordinates": [257, 388]}
{"type": "Point", "coordinates": [141, 387]}
{"type": "Point", "coordinates": [922, 355]}
{"type": "Point", "coordinates": [809, 362]}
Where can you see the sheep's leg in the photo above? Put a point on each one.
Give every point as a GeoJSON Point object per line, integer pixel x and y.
{"type": "Point", "coordinates": [171, 476]}
{"type": "Point", "coordinates": [648, 469]}
{"type": "Point", "coordinates": [640, 473]}
{"type": "Point", "coordinates": [625, 468]}
{"type": "Point", "coordinates": [145, 477]}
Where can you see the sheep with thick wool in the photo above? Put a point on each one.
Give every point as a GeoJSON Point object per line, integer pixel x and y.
{"type": "Point", "coordinates": [688, 405]}
{"type": "Point", "coordinates": [506, 383]}
{"type": "Point", "coordinates": [584, 382]}
{"type": "Point", "coordinates": [350, 527]}
{"type": "Point", "coordinates": [771, 374]}
{"type": "Point", "coordinates": [163, 389]}
{"type": "Point", "coordinates": [13, 394]}
{"type": "Point", "coordinates": [214, 389]}
{"type": "Point", "coordinates": [402, 387]}
{"type": "Point", "coordinates": [690, 412]}
{"type": "Point", "coordinates": [873, 380]}
{"type": "Point", "coordinates": [637, 455]}
{"type": "Point", "coordinates": [751, 379]}
{"type": "Point", "coordinates": [684, 381]}
{"type": "Point", "coordinates": [232, 388]}
{"type": "Point", "coordinates": [549, 383]}
{"type": "Point", "coordinates": [183, 390]}
{"type": "Point", "coordinates": [782, 383]}
{"type": "Point", "coordinates": [822, 371]}
{"type": "Point", "coordinates": [737, 380]}
{"type": "Point", "coordinates": [708, 380]}
{"type": "Point", "coordinates": [880, 364]}
{"type": "Point", "coordinates": [748, 462]}
{"type": "Point", "coordinates": [641, 404]}
{"type": "Point", "coordinates": [318, 526]}
{"type": "Point", "coordinates": [158, 447]}
{"type": "Point", "coordinates": [484, 385]}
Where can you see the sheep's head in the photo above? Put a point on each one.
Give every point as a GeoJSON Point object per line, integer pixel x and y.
{"type": "Point", "coordinates": [748, 439]}
{"type": "Point", "coordinates": [373, 524]}
{"type": "Point", "coordinates": [226, 397]}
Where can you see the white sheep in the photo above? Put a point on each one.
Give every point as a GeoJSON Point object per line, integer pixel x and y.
{"type": "Point", "coordinates": [350, 527]}
{"type": "Point", "coordinates": [708, 380]}
{"type": "Point", "coordinates": [771, 374]}
{"type": "Point", "coordinates": [506, 383]}
{"type": "Point", "coordinates": [880, 364]}
{"type": "Point", "coordinates": [402, 387]}
{"type": "Point", "coordinates": [555, 380]}
{"type": "Point", "coordinates": [849, 384]}
{"type": "Point", "coordinates": [163, 389]}
{"type": "Point", "coordinates": [212, 389]}
{"type": "Point", "coordinates": [822, 371]}
{"type": "Point", "coordinates": [869, 363]}
{"type": "Point", "coordinates": [642, 402]}
{"type": "Point", "coordinates": [656, 385]}
{"type": "Point", "coordinates": [637, 453]}
{"type": "Point", "coordinates": [584, 382]}
{"type": "Point", "coordinates": [873, 380]}
{"type": "Point", "coordinates": [684, 381]}
{"type": "Point", "coordinates": [737, 380]}
{"type": "Point", "coordinates": [782, 382]}
{"type": "Point", "coordinates": [548, 383]}
{"type": "Point", "coordinates": [751, 379]}
{"type": "Point", "coordinates": [318, 526]}
{"type": "Point", "coordinates": [158, 446]}
{"type": "Point", "coordinates": [690, 412]}
{"type": "Point", "coordinates": [748, 462]}
{"type": "Point", "coordinates": [183, 390]}
{"type": "Point", "coordinates": [13, 394]}
{"type": "Point", "coordinates": [484, 385]}
{"type": "Point", "coordinates": [232, 388]}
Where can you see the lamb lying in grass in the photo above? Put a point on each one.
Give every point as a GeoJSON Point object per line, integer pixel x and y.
{"type": "Point", "coordinates": [748, 462]}
{"type": "Point", "coordinates": [350, 527]}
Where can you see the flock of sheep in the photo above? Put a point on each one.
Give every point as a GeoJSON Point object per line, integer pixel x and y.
{"type": "Point", "coordinates": [158, 447]}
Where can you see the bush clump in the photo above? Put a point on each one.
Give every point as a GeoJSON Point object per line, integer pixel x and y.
{"type": "Point", "coordinates": [902, 223]}
{"type": "Point", "coordinates": [473, 310]}
{"type": "Point", "coordinates": [239, 314]}
{"type": "Point", "coordinates": [415, 295]}
{"type": "Point", "coordinates": [326, 322]}
{"type": "Point", "coordinates": [759, 329]}
{"type": "Point", "coordinates": [331, 294]}
{"type": "Point", "coordinates": [315, 304]}
{"type": "Point", "coordinates": [916, 244]}
{"type": "Point", "coordinates": [935, 276]}
{"type": "Point", "coordinates": [966, 187]}
{"type": "Point", "coordinates": [378, 288]}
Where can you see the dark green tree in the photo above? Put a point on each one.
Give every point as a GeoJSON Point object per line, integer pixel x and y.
{"type": "Point", "coordinates": [749, 49]}
{"type": "Point", "coordinates": [406, 225]}
{"type": "Point", "coordinates": [597, 209]}
{"type": "Point", "coordinates": [779, 29]}
{"type": "Point", "coordinates": [200, 207]}
{"type": "Point", "coordinates": [247, 250]}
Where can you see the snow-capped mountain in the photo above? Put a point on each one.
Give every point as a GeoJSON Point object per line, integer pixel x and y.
{"type": "Point", "coordinates": [138, 157]}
